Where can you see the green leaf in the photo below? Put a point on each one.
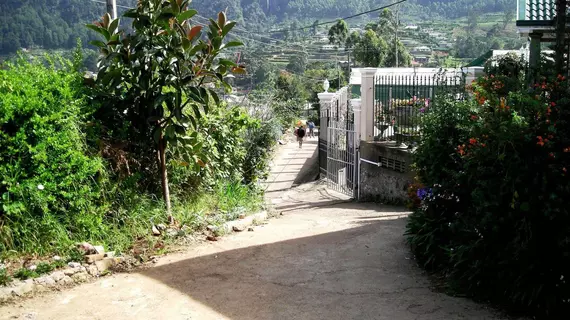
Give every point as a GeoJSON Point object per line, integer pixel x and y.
{"type": "Point", "coordinates": [114, 26]}
{"type": "Point", "coordinates": [232, 44]}
{"type": "Point", "coordinates": [525, 206]}
{"type": "Point", "coordinates": [98, 43]}
{"type": "Point", "coordinates": [217, 43]}
{"type": "Point", "coordinates": [131, 13]}
{"type": "Point", "coordinates": [186, 44]}
{"type": "Point", "coordinates": [228, 27]}
{"type": "Point", "coordinates": [227, 63]}
{"type": "Point", "coordinates": [186, 15]}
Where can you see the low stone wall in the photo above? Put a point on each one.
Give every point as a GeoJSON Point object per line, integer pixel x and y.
{"type": "Point", "coordinates": [387, 183]}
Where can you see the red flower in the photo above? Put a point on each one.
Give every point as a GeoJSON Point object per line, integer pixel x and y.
{"type": "Point", "coordinates": [472, 141]}
{"type": "Point", "coordinates": [483, 145]}
{"type": "Point", "coordinates": [551, 155]}
{"type": "Point", "coordinates": [474, 117]}
{"type": "Point", "coordinates": [553, 104]}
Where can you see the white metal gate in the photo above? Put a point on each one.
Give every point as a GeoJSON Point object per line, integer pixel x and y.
{"type": "Point", "coordinates": [341, 165]}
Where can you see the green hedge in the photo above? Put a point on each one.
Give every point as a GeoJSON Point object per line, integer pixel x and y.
{"type": "Point", "coordinates": [49, 186]}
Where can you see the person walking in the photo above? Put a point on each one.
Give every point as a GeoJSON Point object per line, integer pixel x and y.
{"type": "Point", "coordinates": [311, 125]}
{"type": "Point", "coordinates": [300, 133]}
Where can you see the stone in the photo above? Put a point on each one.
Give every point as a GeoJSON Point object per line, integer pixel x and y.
{"type": "Point", "coordinates": [66, 280]}
{"type": "Point", "coordinates": [106, 264]}
{"type": "Point", "coordinates": [212, 228]}
{"type": "Point", "coordinates": [56, 258]}
{"type": "Point", "coordinates": [211, 238]}
{"type": "Point", "coordinates": [110, 254]}
{"type": "Point", "coordinates": [45, 281]}
{"type": "Point", "coordinates": [70, 271]}
{"type": "Point", "coordinates": [241, 216]}
{"type": "Point", "coordinates": [92, 270]}
{"type": "Point", "coordinates": [161, 227]}
{"type": "Point", "coordinates": [86, 247]}
{"type": "Point", "coordinates": [58, 275]}
{"type": "Point", "coordinates": [74, 265]}
{"type": "Point", "coordinates": [155, 231]}
{"type": "Point", "coordinates": [79, 277]}
{"type": "Point", "coordinates": [91, 258]}
{"type": "Point", "coordinates": [250, 229]}
{"type": "Point", "coordinates": [32, 267]}
{"type": "Point", "coordinates": [22, 288]}
{"type": "Point", "coordinates": [171, 232]}
{"type": "Point", "coordinates": [238, 228]}
{"type": "Point", "coordinates": [99, 249]}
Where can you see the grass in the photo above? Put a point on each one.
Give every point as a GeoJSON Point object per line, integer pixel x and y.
{"type": "Point", "coordinates": [130, 224]}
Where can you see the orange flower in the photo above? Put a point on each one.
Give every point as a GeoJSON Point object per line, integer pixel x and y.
{"type": "Point", "coordinates": [547, 121]}
{"type": "Point", "coordinates": [540, 141]}
{"type": "Point", "coordinates": [566, 150]}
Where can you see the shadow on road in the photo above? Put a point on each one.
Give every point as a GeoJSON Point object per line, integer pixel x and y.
{"type": "Point", "coordinates": [347, 274]}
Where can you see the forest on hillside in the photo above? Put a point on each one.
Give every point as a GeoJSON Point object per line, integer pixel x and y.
{"type": "Point", "coordinates": [53, 24]}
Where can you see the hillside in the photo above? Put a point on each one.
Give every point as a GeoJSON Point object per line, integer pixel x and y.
{"type": "Point", "coordinates": [53, 24]}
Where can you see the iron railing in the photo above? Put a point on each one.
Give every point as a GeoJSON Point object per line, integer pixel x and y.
{"type": "Point", "coordinates": [536, 10]}
{"type": "Point", "coordinates": [401, 100]}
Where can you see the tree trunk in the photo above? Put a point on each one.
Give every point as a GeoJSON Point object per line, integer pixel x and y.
{"type": "Point", "coordinates": [164, 175]}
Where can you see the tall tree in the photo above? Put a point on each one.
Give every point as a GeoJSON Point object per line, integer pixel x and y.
{"type": "Point", "coordinates": [371, 50]}
{"type": "Point", "coordinates": [338, 33]}
{"type": "Point", "coordinates": [154, 78]}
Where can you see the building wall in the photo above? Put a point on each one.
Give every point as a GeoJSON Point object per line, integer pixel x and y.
{"type": "Point", "coordinates": [384, 184]}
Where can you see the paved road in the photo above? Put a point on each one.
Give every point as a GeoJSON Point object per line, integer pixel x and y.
{"type": "Point", "coordinates": [324, 258]}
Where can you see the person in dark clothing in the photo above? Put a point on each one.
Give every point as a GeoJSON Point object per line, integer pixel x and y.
{"type": "Point", "coordinates": [300, 133]}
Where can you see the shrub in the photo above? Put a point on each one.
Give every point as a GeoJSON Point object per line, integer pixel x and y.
{"type": "Point", "coordinates": [50, 188]}
{"type": "Point", "coordinates": [258, 143]}
{"type": "Point", "coordinates": [4, 277]}
{"type": "Point", "coordinates": [493, 218]}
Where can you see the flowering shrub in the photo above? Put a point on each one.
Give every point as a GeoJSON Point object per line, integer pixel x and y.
{"type": "Point", "coordinates": [496, 222]}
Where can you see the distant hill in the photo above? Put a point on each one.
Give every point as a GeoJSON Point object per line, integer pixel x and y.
{"type": "Point", "coordinates": [53, 24]}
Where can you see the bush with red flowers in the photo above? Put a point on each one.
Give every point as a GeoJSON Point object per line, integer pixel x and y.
{"type": "Point", "coordinates": [496, 223]}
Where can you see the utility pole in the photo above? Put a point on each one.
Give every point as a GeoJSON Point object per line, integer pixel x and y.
{"type": "Point", "coordinates": [396, 36]}
{"type": "Point", "coordinates": [112, 8]}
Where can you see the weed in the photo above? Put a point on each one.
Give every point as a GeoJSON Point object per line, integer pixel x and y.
{"type": "Point", "coordinates": [74, 255]}
{"type": "Point", "coordinates": [44, 267]}
{"type": "Point", "coordinates": [4, 277]}
{"type": "Point", "coordinates": [25, 273]}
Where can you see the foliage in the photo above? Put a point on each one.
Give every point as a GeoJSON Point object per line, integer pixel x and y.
{"type": "Point", "coordinates": [371, 49]}
{"type": "Point", "coordinates": [44, 267]}
{"type": "Point", "coordinates": [298, 63]}
{"type": "Point", "coordinates": [493, 217]}
{"type": "Point", "coordinates": [4, 277]}
{"type": "Point", "coordinates": [338, 33]}
{"type": "Point", "coordinates": [259, 141]}
{"type": "Point", "coordinates": [50, 187]}
{"type": "Point", "coordinates": [25, 273]}
{"type": "Point", "coordinates": [151, 78]}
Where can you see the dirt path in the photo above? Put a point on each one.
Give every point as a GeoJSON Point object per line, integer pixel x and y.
{"type": "Point", "coordinates": [322, 259]}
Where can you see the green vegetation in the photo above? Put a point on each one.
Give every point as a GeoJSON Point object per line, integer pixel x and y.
{"type": "Point", "coordinates": [489, 205]}
{"type": "Point", "coordinates": [87, 160]}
